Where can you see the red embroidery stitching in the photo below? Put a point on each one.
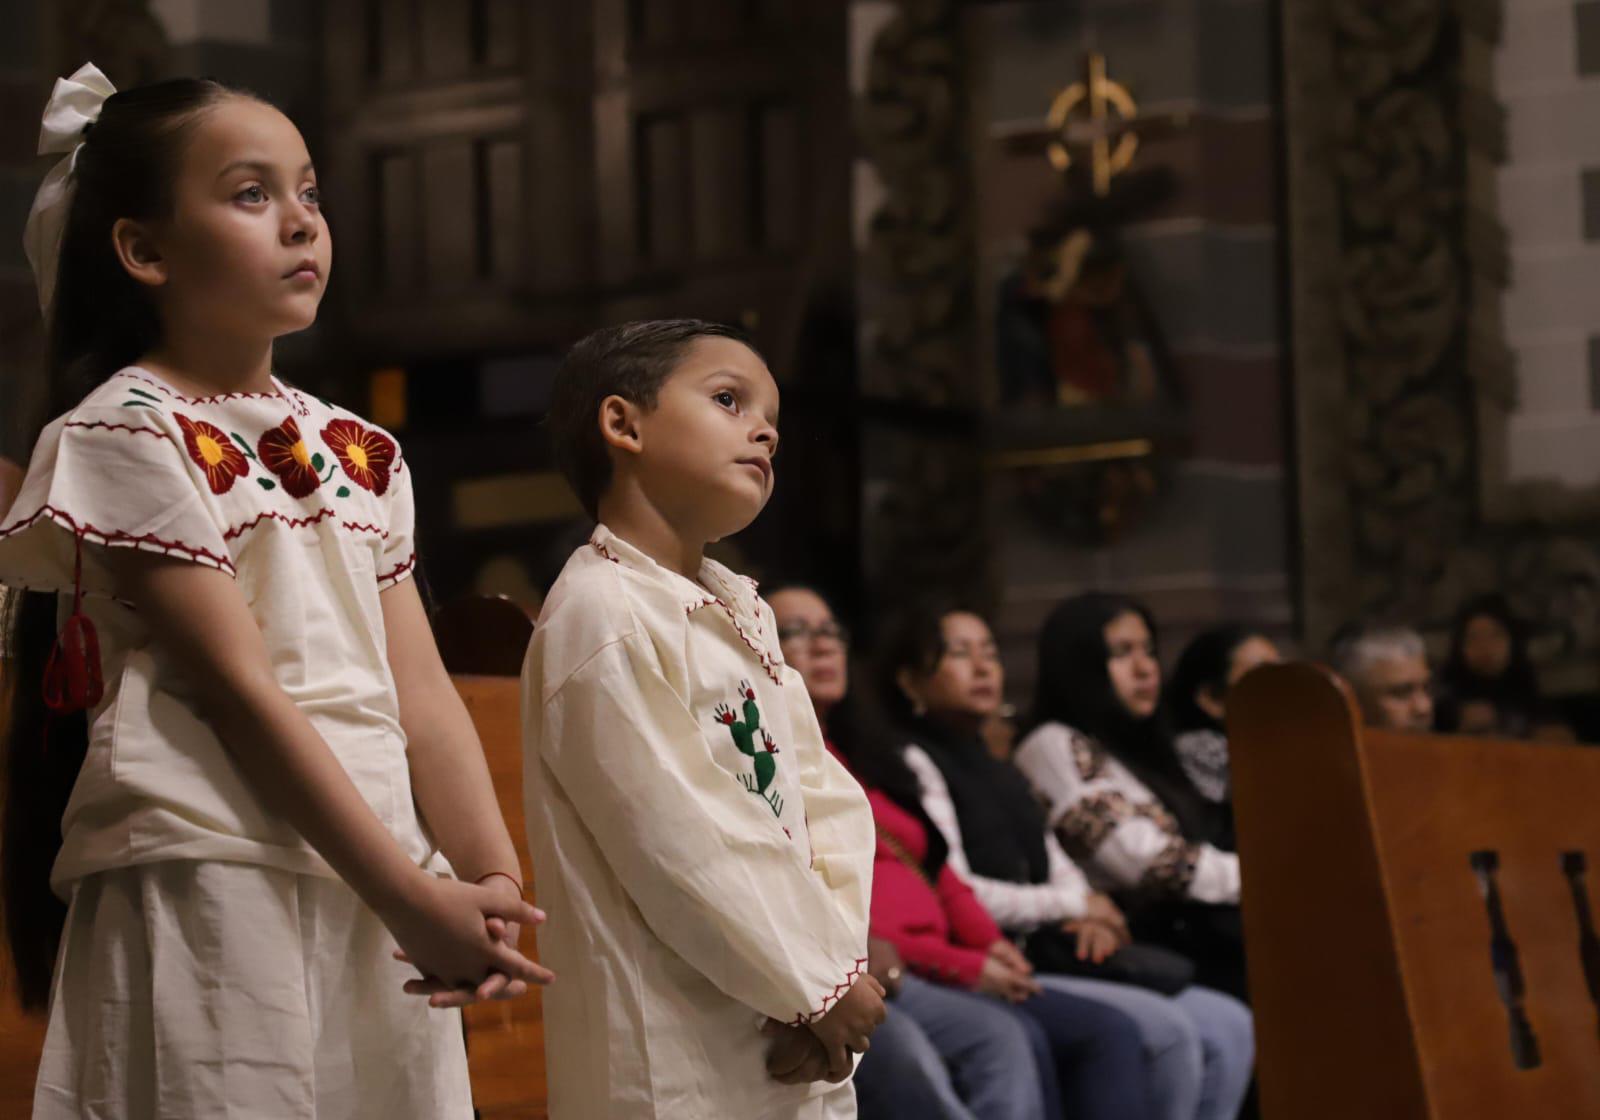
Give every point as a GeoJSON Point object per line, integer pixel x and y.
{"type": "Point", "coordinates": [394, 574]}
{"type": "Point", "coordinates": [357, 527]}
{"type": "Point", "coordinates": [292, 396]}
{"type": "Point", "coordinates": [119, 427]}
{"type": "Point", "coordinates": [832, 997]}
{"type": "Point", "coordinates": [272, 515]}
{"type": "Point", "coordinates": [116, 537]}
{"type": "Point", "coordinates": [229, 463]}
{"type": "Point", "coordinates": [366, 454]}
{"type": "Point", "coordinates": [768, 662]}
{"type": "Point", "coordinates": [283, 451]}
{"type": "Point", "coordinates": [604, 551]}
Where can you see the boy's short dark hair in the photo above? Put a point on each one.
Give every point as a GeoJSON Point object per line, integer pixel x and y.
{"type": "Point", "coordinates": [631, 361]}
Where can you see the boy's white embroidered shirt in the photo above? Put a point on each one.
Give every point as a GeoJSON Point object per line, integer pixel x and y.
{"type": "Point", "coordinates": [705, 862]}
{"type": "Point", "coordinates": [310, 509]}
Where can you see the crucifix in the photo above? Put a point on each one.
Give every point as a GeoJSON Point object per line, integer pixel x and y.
{"type": "Point", "coordinates": [1094, 128]}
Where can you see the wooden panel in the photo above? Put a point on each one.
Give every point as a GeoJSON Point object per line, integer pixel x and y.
{"type": "Point", "coordinates": [1435, 801]}
{"type": "Point", "coordinates": [505, 1041]}
{"type": "Point", "coordinates": [498, 32]}
{"type": "Point", "coordinates": [21, 1041]}
{"type": "Point", "coordinates": [716, 21]}
{"type": "Point", "coordinates": [394, 29]}
{"type": "Point", "coordinates": [1369, 941]}
{"type": "Point", "coordinates": [654, 24]}
{"type": "Point", "coordinates": [501, 234]}
{"type": "Point", "coordinates": [395, 209]}
{"type": "Point", "coordinates": [1295, 774]}
{"type": "Point", "coordinates": [446, 27]}
{"type": "Point", "coordinates": [663, 190]}
{"type": "Point", "coordinates": [776, 175]}
{"type": "Point", "coordinates": [719, 198]}
{"type": "Point", "coordinates": [449, 224]}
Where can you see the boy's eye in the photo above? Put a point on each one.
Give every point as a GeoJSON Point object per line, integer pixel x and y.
{"type": "Point", "coordinates": [251, 194]}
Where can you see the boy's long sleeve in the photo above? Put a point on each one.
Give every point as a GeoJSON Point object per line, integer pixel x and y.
{"type": "Point", "coordinates": [710, 868]}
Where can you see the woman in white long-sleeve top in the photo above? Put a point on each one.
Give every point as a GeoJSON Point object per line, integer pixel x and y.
{"type": "Point", "coordinates": [1099, 754]}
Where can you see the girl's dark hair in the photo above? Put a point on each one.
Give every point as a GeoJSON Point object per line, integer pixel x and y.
{"type": "Point", "coordinates": [1074, 688]}
{"type": "Point", "coordinates": [100, 321]}
{"type": "Point", "coordinates": [1515, 692]}
{"type": "Point", "coordinates": [1205, 664]}
{"type": "Point", "coordinates": [859, 731]}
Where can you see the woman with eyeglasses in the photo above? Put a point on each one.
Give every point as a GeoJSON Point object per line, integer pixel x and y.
{"type": "Point", "coordinates": [969, 1032]}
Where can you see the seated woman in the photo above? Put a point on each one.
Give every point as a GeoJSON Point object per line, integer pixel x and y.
{"type": "Point", "coordinates": [1099, 754]}
{"type": "Point", "coordinates": [1488, 685]}
{"type": "Point", "coordinates": [1208, 668]}
{"type": "Point", "coordinates": [943, 678]}
{"type": "Point", "coordinates": [999, 1045]}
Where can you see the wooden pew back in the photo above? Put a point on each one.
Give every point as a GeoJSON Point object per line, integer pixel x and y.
{"type": "Point", "coordinates": [1368, 929]}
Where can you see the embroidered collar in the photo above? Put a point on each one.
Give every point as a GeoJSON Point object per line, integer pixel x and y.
{"type": "Point", "coordinates": [717, 586]}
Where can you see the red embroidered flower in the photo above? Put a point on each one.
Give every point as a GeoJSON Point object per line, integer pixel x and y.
{"type": "Point", "coordinates": [212, 450]}
{"type": "Point", "coordinates": [285, 454]}
{"type": "Point", "coordinates": [365, 455]}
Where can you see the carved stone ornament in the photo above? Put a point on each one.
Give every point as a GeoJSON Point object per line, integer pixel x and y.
{"type": "Point", "coordinates": [1397, 382]}
{"type": "Point", "coordinates": [925, 490]}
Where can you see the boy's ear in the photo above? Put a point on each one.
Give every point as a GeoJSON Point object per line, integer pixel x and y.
{"type": "Point", "coordinates": [137, 252]}
{"type": "Point", "coordinates": [619, 423]}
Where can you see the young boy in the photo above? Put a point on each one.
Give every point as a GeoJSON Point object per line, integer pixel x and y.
{"type": "Point", "coordinates": [710, 863]}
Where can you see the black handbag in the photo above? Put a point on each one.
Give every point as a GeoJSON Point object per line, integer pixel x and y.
{"type": "Point", "coordinates": [1054, 950]}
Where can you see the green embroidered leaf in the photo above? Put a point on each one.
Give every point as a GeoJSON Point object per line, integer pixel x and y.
{"type": "Point", "coordinates": [140, 404]}
{"type": "Point", "coordinates": [343, 492]}
{"type": "Point", "coordinates": [245, 447]}
{"type": "Point", "coordinates": [266, 484]}
{"type": "Point", "coordinates": [316, 462]}
{"type": "Point", "coordinates": [142, 393]}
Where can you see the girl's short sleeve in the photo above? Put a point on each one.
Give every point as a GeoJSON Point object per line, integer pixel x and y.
{"type": "Point", "coordinates": [399, 545]}
{"type": "Point", "coordinates": [117, 478]}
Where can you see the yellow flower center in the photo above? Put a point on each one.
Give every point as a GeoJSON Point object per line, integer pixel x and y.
{"type": "Point", "coordinates": [210, 449]}
{"type": "Point", "coordinates": [357, 455]}
{"type": "Point", "coordinates": [300, 454]}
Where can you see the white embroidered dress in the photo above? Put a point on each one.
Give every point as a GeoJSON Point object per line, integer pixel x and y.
{"type": "Point", "coordinates": [706, 864]}
{"type": "Point", "coordinates": [205, 936]}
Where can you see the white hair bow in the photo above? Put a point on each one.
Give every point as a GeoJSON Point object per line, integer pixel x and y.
{"type": "Point", "coordinates": [74, 105]}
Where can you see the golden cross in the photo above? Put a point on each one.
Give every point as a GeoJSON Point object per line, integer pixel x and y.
{"type": "Point", "coordinates": [1081, 116]}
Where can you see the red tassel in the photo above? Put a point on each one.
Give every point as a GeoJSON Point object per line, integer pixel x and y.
{"type": "Point", "coordinates": [73, 678]}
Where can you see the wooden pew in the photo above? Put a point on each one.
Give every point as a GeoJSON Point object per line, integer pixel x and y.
{"type": "Point", "coordinates": [1372, 865]}
{"type": "Point", "coordinates": [505, 1041]}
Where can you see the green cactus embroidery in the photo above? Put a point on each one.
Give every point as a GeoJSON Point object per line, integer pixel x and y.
{"type": "Point", "coordinates": [762, 762]}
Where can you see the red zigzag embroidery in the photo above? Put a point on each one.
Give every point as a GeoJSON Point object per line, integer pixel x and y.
{"type": "Point", "coordinates": [832, 997]}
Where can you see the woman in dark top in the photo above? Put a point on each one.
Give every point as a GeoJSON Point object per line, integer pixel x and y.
{"type": "Point", "coordinates": [1488, 685]}
{"type": "Point", "coordinates": [1210, 665]}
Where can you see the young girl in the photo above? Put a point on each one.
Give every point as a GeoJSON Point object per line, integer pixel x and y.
{"type": "Point", "coordinates": [225, 664]}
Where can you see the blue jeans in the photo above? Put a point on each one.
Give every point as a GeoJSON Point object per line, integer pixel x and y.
{"type": "Point", "coordinates": [1199, 1045]}
{"type": "Point", "coordinates": [1097, 1055]}
{"type": "Point", "coordinates": [946, 1054]}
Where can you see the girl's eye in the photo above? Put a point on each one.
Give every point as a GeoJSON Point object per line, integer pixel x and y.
{"type": "Point", "coordinates": [311, 196]}
{"type": "Point", "coordinates": [726, 398]}
{"type": "Point", "coordinates": [251, 194]}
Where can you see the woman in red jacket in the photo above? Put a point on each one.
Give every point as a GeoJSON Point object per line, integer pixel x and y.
{"type": "Point", "coordinates": [1089, 1055]}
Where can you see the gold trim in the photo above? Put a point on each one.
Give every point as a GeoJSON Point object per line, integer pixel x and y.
{"type": "Point", "coordinates": [1106, 452]}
